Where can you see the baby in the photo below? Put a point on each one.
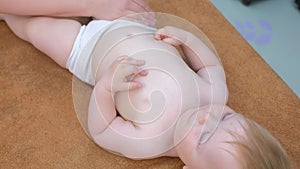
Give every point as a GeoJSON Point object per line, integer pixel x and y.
{"type": "Point", "coordinates": [138, 73]}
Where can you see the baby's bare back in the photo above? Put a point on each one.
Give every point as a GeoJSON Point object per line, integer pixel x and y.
{"type": "Point", "coordinates": [169, 89]}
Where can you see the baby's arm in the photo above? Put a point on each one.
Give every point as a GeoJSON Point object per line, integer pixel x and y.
{"type": "Point", "coordinates": [108, 130]}
{"type": "Point", "coordinates": [117, 78]}
{"type": "Point", "coordinates": [201, 59]}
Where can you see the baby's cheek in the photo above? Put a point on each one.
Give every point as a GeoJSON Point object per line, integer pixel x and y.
{"type": "Point", "coordinates": [192, 138]}
{"type": "Point", "coordinates": [196, 133]}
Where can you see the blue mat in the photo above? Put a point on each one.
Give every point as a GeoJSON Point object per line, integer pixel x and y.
{"type": "Point", "coordinates": [272, 27]}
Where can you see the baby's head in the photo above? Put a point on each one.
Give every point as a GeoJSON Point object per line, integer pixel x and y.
{"type": "Point", "coordinates": [238, 143]}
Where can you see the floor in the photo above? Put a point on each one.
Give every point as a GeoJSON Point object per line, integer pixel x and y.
{"type": "Point", "coordinates": [272, 28]}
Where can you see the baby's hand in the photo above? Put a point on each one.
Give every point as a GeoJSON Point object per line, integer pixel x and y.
{"type": "Point", "coordinates": [171, 35]}
{"type": "Point", "coordinates": [120, 75]}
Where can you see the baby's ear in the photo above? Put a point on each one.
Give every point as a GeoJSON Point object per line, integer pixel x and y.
{"type": "Point", "coordinates": [185, 167]}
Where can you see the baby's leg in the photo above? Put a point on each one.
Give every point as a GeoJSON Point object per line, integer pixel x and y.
{"type": "Point", "coordinates": [54, 37]}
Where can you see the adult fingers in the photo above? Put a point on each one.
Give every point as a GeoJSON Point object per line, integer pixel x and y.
{"type": "Point", "coordinates": [142, 18]}
{"type": "Point", "coordinates": [141, 12]}
{"type": "Point", "coordinates": [138, 6]}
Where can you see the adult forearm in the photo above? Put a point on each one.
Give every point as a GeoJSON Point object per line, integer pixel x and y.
{"type": "Point", "coordinates": [50, 8]}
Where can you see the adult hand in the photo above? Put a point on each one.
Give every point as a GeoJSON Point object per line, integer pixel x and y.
{"type": "Point", "coordinates": [113, 9]}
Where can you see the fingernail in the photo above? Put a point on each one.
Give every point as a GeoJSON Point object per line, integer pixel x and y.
{"type": "Point", "coordinates": [144, 72]}
{"type": "Point", "coordinates": [139, 85]}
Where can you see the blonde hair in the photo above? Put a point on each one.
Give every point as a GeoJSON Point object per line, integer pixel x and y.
{"type": "Point", "coordinates": [258, 149]}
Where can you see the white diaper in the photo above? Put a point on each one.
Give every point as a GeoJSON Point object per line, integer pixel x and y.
{"type": "Point", "coordinates": [79, 64]}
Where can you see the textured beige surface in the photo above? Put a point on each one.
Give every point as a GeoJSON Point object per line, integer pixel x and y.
{"type": "Point", "coordinates": [39, 128]}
